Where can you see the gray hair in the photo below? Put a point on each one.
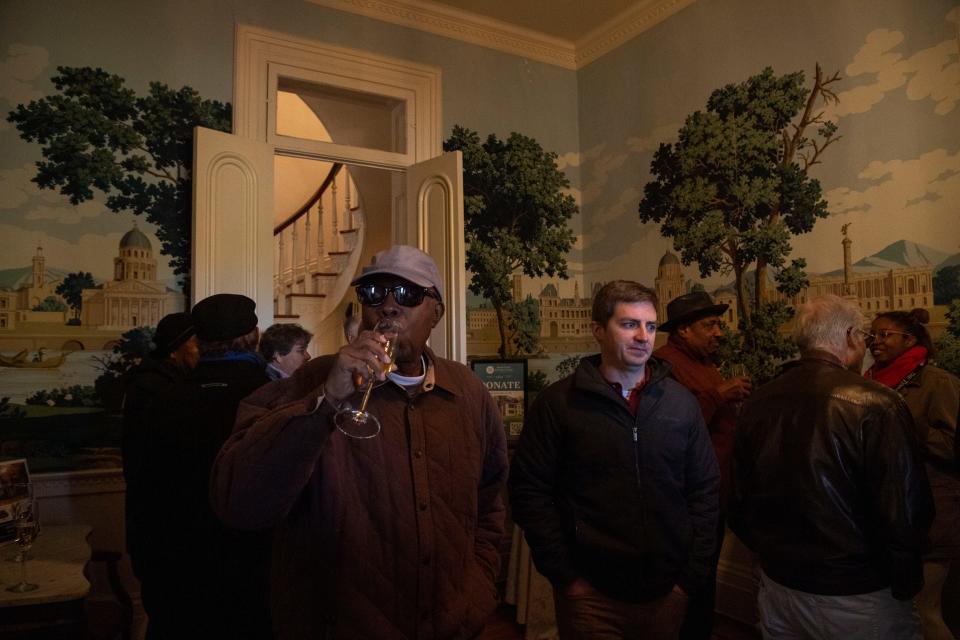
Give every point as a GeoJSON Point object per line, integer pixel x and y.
{"type": "Point", "coordinates": [823, 323]}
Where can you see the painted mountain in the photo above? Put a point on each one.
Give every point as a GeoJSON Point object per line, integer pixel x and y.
{"type": "Point", "coordinates": [19, 277]}
{"type": "Point", "coordinates": [902, 253]}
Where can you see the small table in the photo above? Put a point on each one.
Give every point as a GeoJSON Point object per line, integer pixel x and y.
{"type": "Point", "coordinates": [60, 557]}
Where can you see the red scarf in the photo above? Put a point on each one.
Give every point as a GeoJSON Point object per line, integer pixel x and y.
{"type": "Point", "coordinates": [893, 373]}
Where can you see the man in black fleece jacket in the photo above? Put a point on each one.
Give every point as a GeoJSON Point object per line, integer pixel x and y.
{"type": "Point", "coordinates": [615, 482]}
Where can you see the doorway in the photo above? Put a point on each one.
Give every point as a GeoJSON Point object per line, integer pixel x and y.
{"type": "Point", "coordinates": [302, 107]}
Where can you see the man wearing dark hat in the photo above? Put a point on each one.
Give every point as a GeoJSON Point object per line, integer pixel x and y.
{"type": "Point", "coordinates": [387, 534]}
{"type": "Point", "coordinates": [695, 327]}
{"type": "Point", "coordinates": [155, 395]}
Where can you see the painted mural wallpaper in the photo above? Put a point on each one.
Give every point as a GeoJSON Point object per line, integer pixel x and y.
{"type": "Point", "coordinates": [766, 165]}
{"type": "Point", "coordinates": [764, 152]}
{"type": "Point", "coordinates": [106, 213]}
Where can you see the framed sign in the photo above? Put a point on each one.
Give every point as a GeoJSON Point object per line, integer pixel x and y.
{"type": "Point", "coordinates": [506, 382]}
{"type": "Point", "coordinates": [14, 488]}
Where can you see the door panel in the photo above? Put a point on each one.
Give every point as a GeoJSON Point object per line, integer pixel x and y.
{"type": "Point", "coordinates": [232, 219]}
{"type": "Point", "coordinates": [432, 219]}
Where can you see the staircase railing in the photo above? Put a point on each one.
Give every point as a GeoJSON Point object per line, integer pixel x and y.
{"type": "Point", "coordinates": [314, 244]}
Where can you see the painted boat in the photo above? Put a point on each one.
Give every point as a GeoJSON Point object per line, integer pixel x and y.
{"type": "Point", "coordinates": [19, 362]}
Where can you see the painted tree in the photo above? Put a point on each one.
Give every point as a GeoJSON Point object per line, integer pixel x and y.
{"type": "Point", "coordinates": [516, 215]}
{"type": "Point", "coordinates": [50, 303]}
{"type": "Point", "coordinates": [71, 290]}
{"type": "Point", "coordinates": [99, 135]}
{"type": "Point", "coordinates": [735, 186]}
{"type": "Point", "coordinates": [523, 325]}
{"type": "Point", "coordinates": [948, 346]}
{"type": "Point", "coordinates": [946, 284]}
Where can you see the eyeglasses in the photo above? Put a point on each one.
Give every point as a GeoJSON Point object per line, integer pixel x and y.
{"type": "Point", "coordinates": [406, 295]}
{"type": "Point", "coordinates": [883, 334]}
{"type": "Point", "coordinates": [867, 337]}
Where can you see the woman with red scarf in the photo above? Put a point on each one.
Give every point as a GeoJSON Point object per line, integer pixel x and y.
{"type": "Point", "coordinates": [902, 350]}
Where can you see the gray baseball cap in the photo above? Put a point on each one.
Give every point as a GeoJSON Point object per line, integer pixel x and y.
{"type": "Point", "coordinates": [404, 262]}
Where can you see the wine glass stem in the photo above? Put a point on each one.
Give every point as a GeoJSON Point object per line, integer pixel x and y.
{"type": "Point", "coordinates": [23, 569]}
{"type": "Point", "coordinates": [366, 396]}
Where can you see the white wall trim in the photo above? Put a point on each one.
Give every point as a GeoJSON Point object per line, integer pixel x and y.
{"type": "Point", "coordinates": [72, 483]}
{"type": "Point", "coordinates": [257, 50]}
{"type": "Point", "coordinates": [502, 36]}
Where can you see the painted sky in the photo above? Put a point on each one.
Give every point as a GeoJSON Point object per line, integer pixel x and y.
{"type": "Point", "coordinates": [895, 174]}
{"type": "Point", "coordinates": [83, 237]}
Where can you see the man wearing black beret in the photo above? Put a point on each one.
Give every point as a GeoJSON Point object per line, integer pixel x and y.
{"type": "Point", "coordinates": [211, 581]}
{"type": "Point", "coordinates": [230, 369]}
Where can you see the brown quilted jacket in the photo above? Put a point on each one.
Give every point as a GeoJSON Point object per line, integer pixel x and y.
{"type": "Point", "coordinates": [387, 538]}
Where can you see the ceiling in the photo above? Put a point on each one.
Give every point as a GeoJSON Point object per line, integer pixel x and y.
{"type": "Point", "coordinates": [565, 19]}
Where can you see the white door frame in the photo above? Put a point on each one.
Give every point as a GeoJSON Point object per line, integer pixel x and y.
{"type": "Point", "coordinates": [432, 208]}
{"type": "Point", "coordinates": [262, 56]}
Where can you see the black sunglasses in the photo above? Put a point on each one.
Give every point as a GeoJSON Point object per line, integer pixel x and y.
{"type": "Point", "coordinates": [406, 295]}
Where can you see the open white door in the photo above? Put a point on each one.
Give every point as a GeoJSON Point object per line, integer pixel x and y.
{"type": "Point", "coordinates": [233, 219]}
{"type": "Point", "coordinates": [432, 219]}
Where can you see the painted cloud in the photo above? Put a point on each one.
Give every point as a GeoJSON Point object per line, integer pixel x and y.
{"type": "Point", "coordinates": [932, 73]}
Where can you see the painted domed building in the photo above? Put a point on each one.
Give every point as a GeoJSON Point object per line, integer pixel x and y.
{"type": "Point", "coordinates": [134, 297]}
{"type": "Point", "coordinates": [23, 289]}
{"type": "Point", "coordinates": [669, 283]}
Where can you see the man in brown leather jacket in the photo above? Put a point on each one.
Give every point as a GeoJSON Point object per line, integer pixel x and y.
{"type": "Point", "coordinates": [829, 490]}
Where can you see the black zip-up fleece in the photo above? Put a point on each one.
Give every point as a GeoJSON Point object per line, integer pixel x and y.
{"type": "Point", "coordinates": [630, 504]}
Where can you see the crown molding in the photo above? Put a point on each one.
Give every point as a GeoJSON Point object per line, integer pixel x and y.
{"type": "Point", "coordinates": [624, 27]}
{"type": "Point", "coordinates": [494, 34]}
{"type": "Point", "coordinates": [464, 26]}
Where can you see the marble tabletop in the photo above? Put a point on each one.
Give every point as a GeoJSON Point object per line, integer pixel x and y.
{"type": "Point", "coordinates": [60, 555]}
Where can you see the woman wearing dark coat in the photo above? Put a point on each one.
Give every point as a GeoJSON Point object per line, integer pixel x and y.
{"type": "Point", "coordinates": [902, 351]}
{"type": "Point", "coordinates": [157, 393]}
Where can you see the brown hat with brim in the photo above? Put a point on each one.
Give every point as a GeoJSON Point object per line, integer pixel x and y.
{"type": "Point", "coordinates": [690, 307]}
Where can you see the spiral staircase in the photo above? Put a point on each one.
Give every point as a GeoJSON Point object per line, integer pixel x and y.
{"type": "Point", "coordinates": [316, 251]}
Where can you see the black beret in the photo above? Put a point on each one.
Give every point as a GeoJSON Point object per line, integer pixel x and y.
{"type": "Point", "coordinates": [224, 316]}
{"type": "Point", "coordinates": [172, 331]}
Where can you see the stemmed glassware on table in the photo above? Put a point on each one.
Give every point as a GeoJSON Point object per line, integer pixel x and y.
{"type": "Point", "coordinates": [25, 530]}
{"type": "Point", "coordinates": [23, 491]}
{"type": "Point", "coordinates": [360, 423]}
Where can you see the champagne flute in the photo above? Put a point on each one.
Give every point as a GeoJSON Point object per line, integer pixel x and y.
{"type": "Point", "coordinates": [738, 370]}
{"type": "Point", "coordinates": [25, 524]}
{"type": "Point", "coordinates": [360, 423]}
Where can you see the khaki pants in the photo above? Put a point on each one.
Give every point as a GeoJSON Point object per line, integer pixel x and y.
{"type": "Point", "coordinates": [788, 614]}
{"type": "Point", "coordinates": [594, 616]}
